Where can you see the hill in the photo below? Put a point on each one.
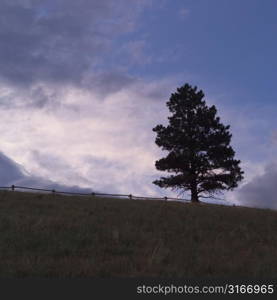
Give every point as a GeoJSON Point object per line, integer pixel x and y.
{"type": "Point", "coordinates": [62, 236]}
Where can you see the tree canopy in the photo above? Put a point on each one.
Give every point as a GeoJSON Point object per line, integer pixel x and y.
{"type": "Point", "coordinates": [198, 145]}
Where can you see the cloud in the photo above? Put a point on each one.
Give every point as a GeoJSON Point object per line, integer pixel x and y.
{"type": "Point", "coordinates": [48, 163]}
{"type": "Point", "coordinates": [60, 41]}
{"type": "Point", "coordinates": [261, 191]}
{"type": "Point", "coordinates": [108, 82]}
{"type": "Point", "coordinates": [105, 144]}
{"type": "Point", "coordinates": [12, 173]}
{"type": "Point", "coordinates": [37, 96]}
{"type": "Point", "coordinates": [86, 139]}
{"type": "Point", "coordinates": [50, 46]}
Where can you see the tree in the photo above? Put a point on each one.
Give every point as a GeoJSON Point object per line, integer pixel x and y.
{"type": "Point", "coordinates": [200, 155]}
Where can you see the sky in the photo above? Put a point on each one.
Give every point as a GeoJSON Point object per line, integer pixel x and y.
{"type": "Point", "coordinates": [82, 84]}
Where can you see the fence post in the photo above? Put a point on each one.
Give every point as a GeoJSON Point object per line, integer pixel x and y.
{"type": "Point", "coordinates": [92, 194]}
{"type": "Point", "coordinates": [53, 192]}
{"type": "Point", "coordinates": [165, 198]}
{"type": "Point", "coordinates": [12, 187]}
{"type": "Point", "coordinates": [130, 196]}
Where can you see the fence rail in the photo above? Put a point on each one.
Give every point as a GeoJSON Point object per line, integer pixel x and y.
{"type": "Point", "coordinates": [53, 191]}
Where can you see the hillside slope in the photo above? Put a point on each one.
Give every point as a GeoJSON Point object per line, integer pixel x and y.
{"type": "Point", "coordinates": [62, 236]}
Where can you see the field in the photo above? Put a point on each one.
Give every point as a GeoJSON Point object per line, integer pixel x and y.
{"type": "Point", "coordinates": [63, 236]}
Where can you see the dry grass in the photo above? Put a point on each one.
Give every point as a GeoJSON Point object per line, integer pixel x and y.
{"type": "Point", "coordinates": [61, 236]}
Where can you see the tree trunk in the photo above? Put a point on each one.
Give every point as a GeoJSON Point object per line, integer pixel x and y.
{"type": "Point", "coordinates": [194, 194]}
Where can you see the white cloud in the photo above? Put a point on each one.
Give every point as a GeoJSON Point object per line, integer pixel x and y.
{"type": "Point", "coordinates": [88, 141]}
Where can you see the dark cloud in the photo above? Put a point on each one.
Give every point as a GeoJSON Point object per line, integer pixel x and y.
{"type": "Point", "coordinates": [58, 40]}
{"type": "Point", "coordinates": [36, 97]}
{"type": "Point", "coordinates": [262, 190]}
{"type": "Point", "coordinates": [39, 98]}
{"type": "Point", "coordinates": [12, 173]}
{"type": "Point", "coordinates": [106, 83]}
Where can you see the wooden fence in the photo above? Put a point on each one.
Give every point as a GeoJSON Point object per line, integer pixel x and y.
{"type": "Point", "coordinates": [53, 191]}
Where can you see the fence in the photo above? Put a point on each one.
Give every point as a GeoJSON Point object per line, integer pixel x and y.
{"type": "Point", "coordinates": [53, 191]}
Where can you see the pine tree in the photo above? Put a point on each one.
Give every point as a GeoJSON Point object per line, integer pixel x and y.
{"type": "Point", "coordinates": [200, 155]}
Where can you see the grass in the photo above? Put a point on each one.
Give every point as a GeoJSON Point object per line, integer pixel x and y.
{"type": "Point", "coordinates": [62, 236]}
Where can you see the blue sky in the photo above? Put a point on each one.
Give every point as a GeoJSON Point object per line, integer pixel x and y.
{"type": "Point", "coordinates": [226, 44]}
{"type": "Point", "coordinates": [82, 84]}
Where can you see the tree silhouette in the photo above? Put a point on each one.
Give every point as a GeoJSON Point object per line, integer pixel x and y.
{"type": "Point", "coordinates": [199, 148]}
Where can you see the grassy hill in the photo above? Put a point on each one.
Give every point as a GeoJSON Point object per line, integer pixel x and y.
{"type": "Point", "coordinates": [62, 236]}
